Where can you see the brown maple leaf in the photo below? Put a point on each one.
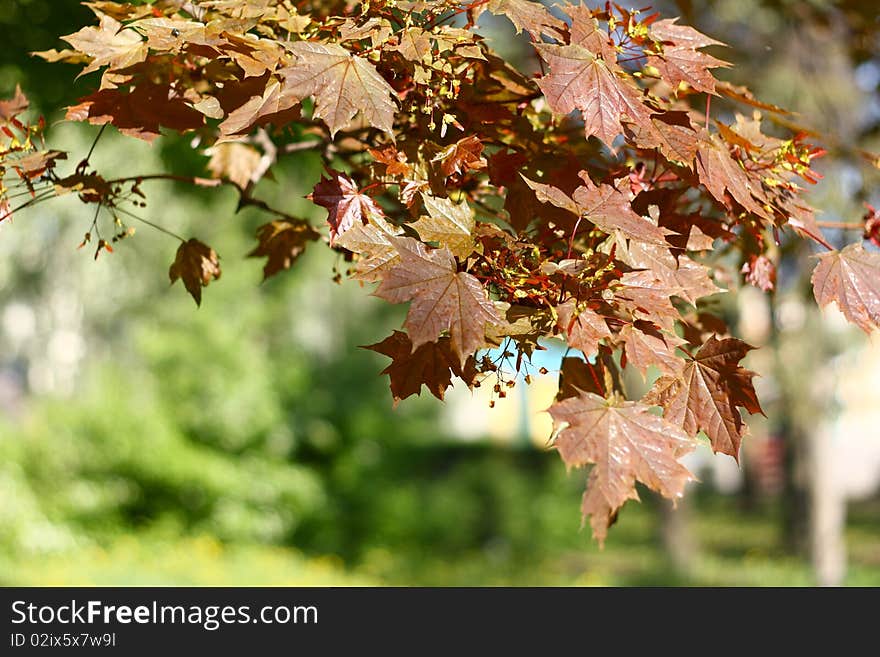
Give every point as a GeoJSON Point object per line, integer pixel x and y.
{"type": "Point", "coordinates": [342, 85]}
{"type": "Point", "coordinates": [705, 393]}
{"type": "Point", "coordinates": [345, 204]}
{"type": "Point", "coordinates": [581, 327]}
{"type": "Point", "coordinates": [851, 278]}
{"type": "Point", "coordinates": [462, 156]}
{"type": "Point", "coordinates": [577, 376]}
{"type": "Point", "coordinates": [443, 299]}
{"type": "Point", "coordinates": [610, 209]}
{"type": "Point", "coordinates": [646, 296]}
{"type": "Point", "coordinates": [394, 161]}
{"type": "Point", "coordinates": [282, 242]}
{"type": "Point", "coordinates": [372, 242]}
{"type": "Point", "coordinates": [625, 443]}
{"type": "Point", "coordinates": [197, 265]}
{"type": "Point", "coordinates": [681, 276]}
{"type": "Point", "coordinates": [680, 59]}
{"type": "Point", "coordinates": [449, 224]}
{"type": "Point", "coordinates": [672, 133]}
{"type": "Point", "coordinates": [414, 44]}
{"type": "Point", "coordinates": [532, 17]}
{"type": "Point", "coordinates": [235, 162]}
{"type": "Point", "coordinates": [275, 105]}
{"type": "Point", "coordinates": [579, 80]}
{"type": "Point", "coordinates": [140, 112]}
{"type": "Point", "coordinates": [718, 171]}
{"type": "Point", "coordinates": [585, 31]}
{"type": "Point", "coordinates": [432, 364]}
{"type": "Point", "coordinates": [110, 44]}
{"type": "Point", "coordinates": [645, 345]}
{"type": "Point", "coordinates": [11, 108]}
{"type": "Point", "coordinates": [604, 205]}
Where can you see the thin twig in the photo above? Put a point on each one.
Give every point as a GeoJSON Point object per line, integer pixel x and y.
{"type": "Point", "coordinates": [846, 225]}
{"type": "Point", "coordinates": [149, 223]}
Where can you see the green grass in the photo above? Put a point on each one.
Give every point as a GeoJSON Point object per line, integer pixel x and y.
{"type": "Point", "coordinates": [134, 560]}
{"type": "Point", "coordinates": [736, 548]}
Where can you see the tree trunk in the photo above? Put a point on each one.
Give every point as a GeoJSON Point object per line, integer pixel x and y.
{"type": "Point", "coordinates": [676, 534]}
{"type": "Point", "coordinates": [827, 513]}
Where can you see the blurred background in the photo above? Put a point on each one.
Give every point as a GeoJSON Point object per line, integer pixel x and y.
{"type": "Point", "coordinates": [143, 441]}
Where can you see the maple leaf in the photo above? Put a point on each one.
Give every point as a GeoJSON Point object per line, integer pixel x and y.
{"type": "Point", "coordinates": [672, 133]}
{"type": "Point", "coordinates": [644, 346]}
{"type": "Point", "coordinates": [604, 205]}
{"type": "Point", "coordinates": [345, 204]}
{"type": "Point", "coordinates": [139, 113]}
{"type": "Point", "coordinates": [372, 241]}
{"type": "Point", "coordinates": [625, 443]}
{"type": "Point", "coordinates": [255, 56]}
{"type": "Point", "coordinates": [610, 209]}
{"type": "Point", "coordinates": [644, 295]}
{"type": "Point", "coordinates": [449, 224]}
{"type": "Point", "coordinates": [432, 364]}
{"type": "Point", "coordinates": [11, 108]}
{"type": "Point", "coordinates": [282, 242]}
{"type": "Point", "coordinates": [394, 161]}
{"type": "Point", "coordinates": [197, 265]}
{"type": "Point", "coordinates": [35, 164]}
{"type": "Point", "coordinates": [414, 44]}
{"type": "Point", "coordinates": [851, 278]}
{"type": "Point", "coordinates": [275, 105]}
{"type": "Point", "coordinates": [234, 161]}
{"type": "Point", "coordinates": [585, 31]}
{"type": "Point", "coordinates": [532, 17]}
{"type": "Point", "coordinates": [681, 276]}
{"type": "Point", "coordinates": [442, 297]}
{"type": "Point", "coordinates": [705, 394]}
{"type": "Point", "coordinates": [582, 328]}
{"type": "Point", "coordinates": [680, 60]}
{"type": "Point", "coordinates": [110, 44]}
{"type": "Point", "coordinates": [718, 171]}
{"type": "Point", "coordinates": [462, 156]}
{"type": "Point", "coordinates": [577, 376]}
{"type": "Point", "coordinates": [579, 80]}
{"type": "Point", "coordinates": [342, 85]}
{"type": "Point", "coordinates": [173, 34]}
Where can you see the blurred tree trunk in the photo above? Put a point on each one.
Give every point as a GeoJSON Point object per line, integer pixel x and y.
{"type": "Point", "coordinates": [677, 536]}
{"type": "Point", "coordinates": [813, 509]}
{"type": "Point", "coordinates": [827, 513]}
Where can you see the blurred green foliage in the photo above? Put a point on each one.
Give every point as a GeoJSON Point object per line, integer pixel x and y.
{"type": "Point", "coordinates": [250, 441]}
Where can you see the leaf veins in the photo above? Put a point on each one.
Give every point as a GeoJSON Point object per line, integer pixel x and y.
{"type": "Point", "coordinates": [705, 394]}
{"type": "Point", "coordinates": [342, 85]}
{"type": "Point", "coordinates": [345, 204]}
{"type": "Point", "coordinates": [850, 277]}
{"type": "Point", "coordinates": [443, 299]}
{"type": "Point", "coordinates": [626, 443]}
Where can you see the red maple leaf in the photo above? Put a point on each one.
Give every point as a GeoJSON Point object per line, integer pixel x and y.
{"type": "Point", "coordinates": [345, 204]}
